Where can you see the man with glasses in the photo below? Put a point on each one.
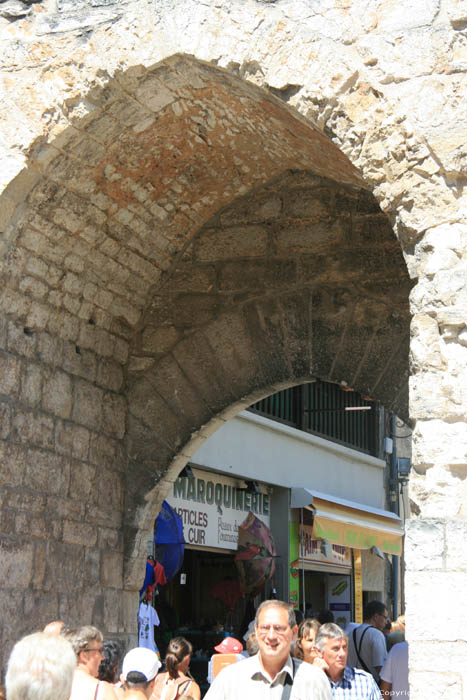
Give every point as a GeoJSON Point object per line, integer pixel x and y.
{"type": "Point", "coordinates": [271, 674]}
{"type": "Point", "coordinates": [87, 645]}
{"type": "Point", "coordinates": [367, 643]}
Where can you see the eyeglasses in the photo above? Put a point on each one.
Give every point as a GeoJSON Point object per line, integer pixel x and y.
{"type": "Point", "coordinates": [98, 649]}
{"type": "Point", "coordinates": [278, 629]}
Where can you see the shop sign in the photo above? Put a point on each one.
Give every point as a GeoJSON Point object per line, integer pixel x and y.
{"type": "Point", "coordinates": [314, 550]}
{"type": "Point", "coordinates": [212, 506]}
{"type": "Point", "coordinates": [358, 588]}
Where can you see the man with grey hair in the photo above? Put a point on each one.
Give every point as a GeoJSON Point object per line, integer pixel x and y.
{"type": "Point", "coordinates": [347, 683]}
{"type": "Point", "coordinates": [271, 674]}
{"type": "Point", "coordinates": [40, 667]}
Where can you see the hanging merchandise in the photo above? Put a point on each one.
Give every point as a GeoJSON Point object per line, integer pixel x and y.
{"type": "Point", "coordinates": [149, 579]}
{"type": "Point", "coordinates": [255, 554]}
{"type": "Point", "coordinates": [169, 539]}
{"type": "Point", "coordinates": [147, 620]}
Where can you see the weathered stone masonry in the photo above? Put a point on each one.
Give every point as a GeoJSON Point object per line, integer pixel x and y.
{"type": "Point", "coordinates": [200, 205]}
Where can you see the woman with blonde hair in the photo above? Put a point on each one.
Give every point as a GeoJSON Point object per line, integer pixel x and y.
{"type": "Point", "coordinates": [305, 644]}
{"type": "Point", "coordinates": [87, 643]}
{"type": "Point", "coordinates": [176, 680]}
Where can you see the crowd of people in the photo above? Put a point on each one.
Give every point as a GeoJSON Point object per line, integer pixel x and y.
{"type": "Point", "coordinates": [282, 661]}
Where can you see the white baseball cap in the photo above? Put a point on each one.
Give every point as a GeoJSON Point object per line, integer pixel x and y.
{"type": "Point", "coordinates": [143, 661]}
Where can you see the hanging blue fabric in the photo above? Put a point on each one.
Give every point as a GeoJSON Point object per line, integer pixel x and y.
{"type": "Point", "coordinates": [169, 539]}
{"type": "Point", "coordinates": [149, 579]}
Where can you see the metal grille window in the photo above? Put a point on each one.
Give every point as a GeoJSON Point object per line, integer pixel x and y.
{"type": "Point", "coordinates": [322, 408]}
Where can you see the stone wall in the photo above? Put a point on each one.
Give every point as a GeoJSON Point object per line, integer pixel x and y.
{"type": "Point", "coordinates": [172, 229]}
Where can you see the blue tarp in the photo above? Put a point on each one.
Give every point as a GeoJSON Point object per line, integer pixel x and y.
{"type": "Point", "coordinates": [169, 539]}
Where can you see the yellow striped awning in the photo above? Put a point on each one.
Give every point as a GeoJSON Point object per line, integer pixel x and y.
{"type": "Point", "coordinates": [352, 524]}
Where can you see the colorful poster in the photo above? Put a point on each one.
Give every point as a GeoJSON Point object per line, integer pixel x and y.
{"type": "Point", "coordinates": [339, 598]}
{"type": "Point", "coordinates": [294, 566]}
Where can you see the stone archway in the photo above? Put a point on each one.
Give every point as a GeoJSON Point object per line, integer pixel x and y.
{"type": "Point", "coordinates": [190, 217]}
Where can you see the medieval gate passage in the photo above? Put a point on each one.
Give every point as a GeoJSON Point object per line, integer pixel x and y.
{"type": "Point", "coordinates": [188, 244]}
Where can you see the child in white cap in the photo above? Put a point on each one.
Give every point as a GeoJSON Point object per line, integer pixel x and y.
{"type": "Point", "coordinates": [139, 671]}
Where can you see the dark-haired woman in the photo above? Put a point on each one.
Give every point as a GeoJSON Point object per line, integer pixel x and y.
{"type": "Point", "coordinates": [305, 644]}
{"type": "Point", "coordinates": [176, 680]}
{"type": "Point", "coordinates": [108, 667]}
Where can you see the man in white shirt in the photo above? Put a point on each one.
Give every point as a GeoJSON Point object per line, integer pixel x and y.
{"type": "Point", "coordinates": [367, 644]}
{"type": "Point", "coordinates": [395, 672]}
{"type": "Point", "coordinates": [271, 673]}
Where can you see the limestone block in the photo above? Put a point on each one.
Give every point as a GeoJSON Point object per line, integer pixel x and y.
{"type": "Point", "coordinates": [254, 274]}
{"type": "Point", "coordinates": [92, 562]}
{"type": "Point", "coordinates": [5, 421]}
{"type": "Point", "coordinates": [438, 491]}
{"type": "Point", "coordinates": [456, 551]}
{"type": "Point", "coordinates": [112, 569]}
{"type": "Point", "coordinates": [442, 685]}
{"type": "Point", "coordinates": [87, 404]}
{"type": "Point", "coordinates": [64, 569]}
{"type": "Point", "coordinates": [231, 342]}
{"type": "Point", "coordinates": [425, 351]}
{"type": "Point", "coordinates": [60, 506]}
{"type": "Point", "coordinates": [9, 374]}
{"type": "Point", "coordinates": [21, 340]}
{"type": "Point", "coordinates": [109, 375]}
{"type": "Point", "coordinates": [435, 396]}
{"type": "Point", "coordinates": [110, 489]}
{"type": "Point", "coordinates": [83, 608]}
{"type": "Point", "coordinates": [16, 563]}
{"type": "Point", "coordinates": [106, 452]}
{"type": "Point", "coordinates": [57, 394]}
{"type": "Point", "coordinates": [112, 608]}
{"type": "Point", "coordinates": [424, 544]}
{"type": "Point", "coordinates": [457, 13]}
{"type": "Point", "coordinates": [438, 442]}
{"type": "Point", "coordinates": [72, 440]}
{"type": "Point", "coordinates": [21, 499]}
{"type": "Point", "coordinates": [40, 608]}
{"type": "Point", "coordinates": [76, 532]}
{"type": "Point", "coordinates": [12, 463]}
{"type": "Point", "coordinates": [104, 515]}
{"type": "Point", "coordinates": [170, 382]}
{"type": "Point", "coordinates": [31, 385]}
{"type": "Point", "coordinates": [50, 349]}
{"type": "Point", "coordinates": [130, 605]}
{"type": "Point", "coordinates": [159, 340]}
{"type": "Point", "coordinates": [46, 472]}
{"type": "Point", "coordinates": [110, 538]}
{"type": "Point", "coordinates": [439, 655]}
{"type": "Point", "coordinates": [38, 526]}
{"type": "Point", "coordinates": [33, 428]}
{"type": "Point", "coordinates": [424, 590]}
{"type": "Point", "coordinates": [80, 362]}
{"type": "Point", "coordinates": [450, 237]}
{"type": "Point", "coordinates": [144, 403]}
{"type": "Point", "coordinates": [83, 482]}
{"type": "Point", "coordinates": [114, 415]}
{"type": "Point", "coordinates": [63, 325]}
{"type": "Point", "coordinates": [222, 244]}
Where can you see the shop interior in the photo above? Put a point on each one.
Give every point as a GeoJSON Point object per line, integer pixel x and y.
{"type": "Point", "coordinates": [202, 603]}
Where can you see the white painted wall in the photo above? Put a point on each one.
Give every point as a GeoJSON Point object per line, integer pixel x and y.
{"type": "Point", "coordinates": [254, 447]}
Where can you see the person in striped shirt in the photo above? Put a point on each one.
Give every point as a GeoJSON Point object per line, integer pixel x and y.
{"type": "Point", "coordinates": [347, 683]}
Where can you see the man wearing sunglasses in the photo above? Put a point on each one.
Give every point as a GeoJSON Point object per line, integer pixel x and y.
{"type": "Point", "coordinates": [271, 674]}
{"type": "Point", "coordinates": [367, 643]}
